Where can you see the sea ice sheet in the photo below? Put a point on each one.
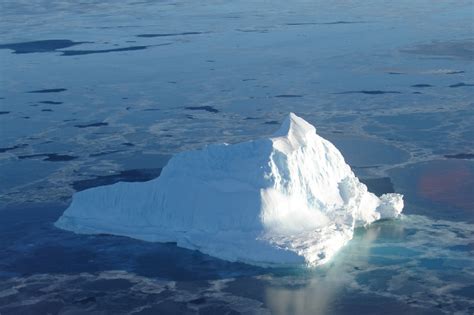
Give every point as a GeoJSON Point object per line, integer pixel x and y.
{"type": "Point", "coordinates": [285, 200]}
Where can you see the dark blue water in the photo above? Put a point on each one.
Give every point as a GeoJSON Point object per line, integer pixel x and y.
{"type": "Point", "coordinates": [96, 92]}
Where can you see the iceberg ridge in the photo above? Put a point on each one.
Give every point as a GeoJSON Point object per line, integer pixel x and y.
{"type": "Point", "coordinates": [284, 200]}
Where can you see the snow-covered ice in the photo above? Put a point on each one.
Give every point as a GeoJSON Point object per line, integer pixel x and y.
{"type": "Point", "coordinates": [284, 200]}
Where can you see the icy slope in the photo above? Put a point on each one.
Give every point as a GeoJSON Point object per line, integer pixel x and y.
{"type": "Point", "coordinates": [288, 199]}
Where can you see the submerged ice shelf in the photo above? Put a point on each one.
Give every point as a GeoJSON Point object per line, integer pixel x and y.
{"type": "Point", "coordinates": [284, 200]}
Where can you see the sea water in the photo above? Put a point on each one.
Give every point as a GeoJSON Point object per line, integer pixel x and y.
{"type": "Point", "coordinates": [96, 92]}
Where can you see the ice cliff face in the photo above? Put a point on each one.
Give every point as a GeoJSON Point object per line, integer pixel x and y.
{"type": "Point", "coordinates": [288, 199]}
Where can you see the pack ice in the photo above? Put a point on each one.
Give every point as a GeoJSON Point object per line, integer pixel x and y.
{"type": "Point", "coordinates": [284, 200]}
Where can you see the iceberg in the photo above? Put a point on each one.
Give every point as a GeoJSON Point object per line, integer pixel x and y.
{"type": "Point", "coordinates": [289, 199]}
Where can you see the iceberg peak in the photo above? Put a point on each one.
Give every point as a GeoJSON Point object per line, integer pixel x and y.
{"type": "Point", "coordinates": [294, 125]}
{"type": "Point", "coordinates": [288, 199]}
{"type": "Point", "coordinates": [292, 134]}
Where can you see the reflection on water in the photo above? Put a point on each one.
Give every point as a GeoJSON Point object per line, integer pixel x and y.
{"type": "Point", "coordinates": [390, 263]}
{"type": "Point", "coordinates": [439, 188]}
{"type": "Point", "coordinates": [321, 290]}
{"type": "Point", "coordinates": [449, 186]}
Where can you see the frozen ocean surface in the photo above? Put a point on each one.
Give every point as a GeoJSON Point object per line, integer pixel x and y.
{"type": "Point", "coordinates": [96, 92]}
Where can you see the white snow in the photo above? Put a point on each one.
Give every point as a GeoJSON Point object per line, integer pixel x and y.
{"type": "Point", "coordinates": [284, 200]}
